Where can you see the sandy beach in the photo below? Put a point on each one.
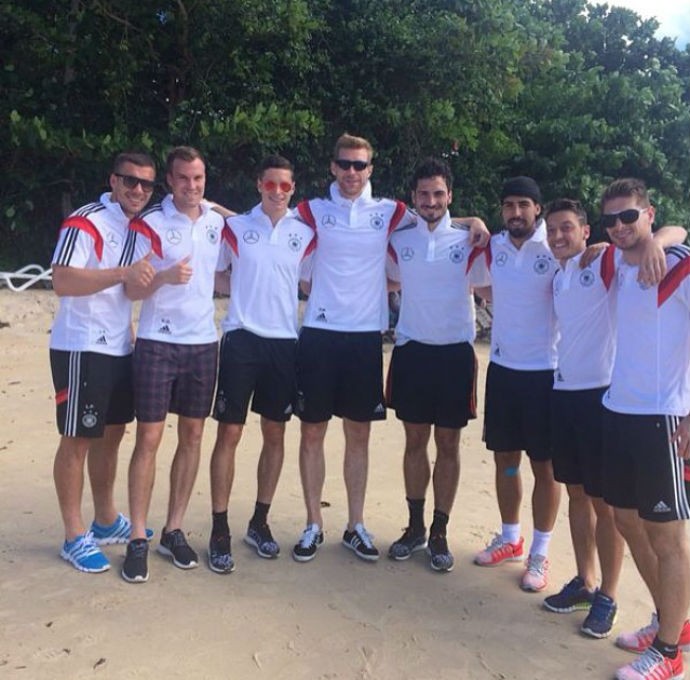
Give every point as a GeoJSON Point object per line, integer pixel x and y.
{"type": "Point", "coordinates": [333, 618]}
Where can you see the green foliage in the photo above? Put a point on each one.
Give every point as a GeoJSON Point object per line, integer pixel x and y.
{"type": "Point", "coordinates": [570, 93]}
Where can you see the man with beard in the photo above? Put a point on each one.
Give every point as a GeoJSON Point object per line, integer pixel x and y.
{"type": "Point", "coordinates": [520, 378]}
{"type": "Point", "coordinates": [432, 376]}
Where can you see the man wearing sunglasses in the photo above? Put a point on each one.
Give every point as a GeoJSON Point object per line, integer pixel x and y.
{"type": "Point", "coordinates": [91, 356]}
{"type": "Point", "coordinates": [647, 429]}
{"type": "Point", "coordinates": [175, 356]}
{"type": "Point", "coordinates": [264, 249]}
{"type": "Point", "coordinates": [339, 360]}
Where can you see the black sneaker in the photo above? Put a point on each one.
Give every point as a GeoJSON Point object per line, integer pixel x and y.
{"type": "Point", "coordinates": [359, 541]}
{"type": "Point", "coordinates": [174, 544]}
{"type": "Point", "coordinates": [220, 554]}
{"type": "Point", "coordinates": [441, 557]}
{"type": "Point", "coordinates": [411, 541]}
{"type": "Point", "coordinates": [135, 569]}
{"type": "Point", "coordinates": [262, 539]}
{"type": "Point", "coordinates": [311, 539]}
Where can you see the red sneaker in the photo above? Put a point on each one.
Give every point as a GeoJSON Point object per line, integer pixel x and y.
{"type": "Point", "coordinates": [499, 551]}
{"type": "Point", "coordinates": [652, 665]}
{"type": "Point", "coordinates": [639, 640]}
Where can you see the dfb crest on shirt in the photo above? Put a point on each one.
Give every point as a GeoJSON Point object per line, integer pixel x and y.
{"type": "Point", "coordinates": [294, 242]}
{"type": "Point", "coordinates": [542, 264]}
{"type": "Point", "coordinates": [212, 235]}
{"type": "Point", "coordinates": [90, 416]}
{"type": "Point", "coordinates": [250, 237]}
{"type": "Point", "coordinates": [407, 253]}
{"type": "Point", "coordinates": [376, 221]}
{"type": "Point", "coordinates": [173, 236]}
{"type": "Point", "coordinates": [328, 220]}
{"type": "Point", "coordinates": [587, 278]}
{"type": "Point", "coordinates": [456, 254]}
{"type": "Point", "coordinates": [501, 259]}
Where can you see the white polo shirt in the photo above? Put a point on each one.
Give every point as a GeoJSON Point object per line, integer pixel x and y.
{"type": "Point", "coordinates": [436, 276]}
{"type": "Point", "coordinates": [93, 237]}
{"type": "Point", "coordinates": [651, 372]}
{"type": "Point", "coordinates": [180, 313]}
{"type": "Point", "coordinates": [523, 333]}
{"type": "Point", "coordinates": [265, 261]}
{"type": "Point", "coordinates": [348, 290]}
{"type": "Point", "coordinates": [584, 300]}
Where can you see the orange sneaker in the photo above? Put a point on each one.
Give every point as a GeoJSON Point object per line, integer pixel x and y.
{"type": "Point", "coordinates": [639, 640]}
{"type": "Point", "coordinates": [652, 665]}
{"type": "Point", "coordinates": [499, 551]}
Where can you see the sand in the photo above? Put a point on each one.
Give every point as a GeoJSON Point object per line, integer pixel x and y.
{"type": "Point", "coordinates": [334, 617]}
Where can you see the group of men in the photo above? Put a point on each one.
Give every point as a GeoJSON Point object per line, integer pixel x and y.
{"type": "Point", "coordinates": [543, 395]}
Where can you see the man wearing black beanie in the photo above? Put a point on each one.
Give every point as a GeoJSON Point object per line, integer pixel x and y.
{"type": "Point", "coordinates": [520, 378]}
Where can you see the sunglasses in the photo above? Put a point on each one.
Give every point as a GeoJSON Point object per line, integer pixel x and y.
{"type": "Point", "coordinates": [346, 165]}
{"type": "Point", "coordinates": [130, 181]}
{"type": "Point", "coordinates": [285, 187]}
{"type": "Point", "coordinates": [608, 220]}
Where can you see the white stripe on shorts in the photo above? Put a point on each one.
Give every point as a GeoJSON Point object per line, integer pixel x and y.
{"type": "Point", "coordinates": [73, 385]}
{"type": "Point", "coordinates": [682, 507]}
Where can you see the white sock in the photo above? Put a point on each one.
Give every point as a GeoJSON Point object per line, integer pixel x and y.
{"type": "Point", "coordinates": [510, 532]}
{"type": "Point", "coordinates": [540, 542]}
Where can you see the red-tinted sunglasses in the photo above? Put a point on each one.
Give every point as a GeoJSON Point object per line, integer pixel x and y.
{"type": "Point", "coordinates": [285, 187]}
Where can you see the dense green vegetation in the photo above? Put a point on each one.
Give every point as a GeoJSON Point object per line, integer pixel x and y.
{"type": "Point", "coordinates": [569, 93]}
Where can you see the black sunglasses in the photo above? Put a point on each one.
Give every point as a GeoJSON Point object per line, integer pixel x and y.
{"type": "Point", "coordinates": [346, 165]}
{"type": "Point", "coordinates": [608, 220]}
{"type": "Point", "coordinates": [130, 181]}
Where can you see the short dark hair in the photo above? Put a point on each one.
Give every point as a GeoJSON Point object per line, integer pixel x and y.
{"type": "Point", "coordinates": [628, 187]}
{"type": "Point", "coordinates": [143, 160]}
{"type": "Point", "coordinates": [432, 167]}
{"type": "Point", "coordinates": [182, 153]}
{"type": "Point", "coordinates": [569, 204]}
{"type": "Point", "coordinates": [274, 161]}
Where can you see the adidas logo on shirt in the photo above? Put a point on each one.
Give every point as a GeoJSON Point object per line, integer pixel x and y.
{"type": "Point", "coordinates": [102, 340]}
{"type": "Point", "coordinates": [661, 507]}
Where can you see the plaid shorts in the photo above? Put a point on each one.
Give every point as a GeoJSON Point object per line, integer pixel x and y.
{"type": "Point", "coordinates": [173, 378]}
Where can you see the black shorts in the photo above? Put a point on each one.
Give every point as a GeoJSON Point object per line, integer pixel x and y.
{"type": "Point", "coordinates": [577, 438]}
{"type": "Point", "coordinates": [339, 373]}
{"type": "Point", "coordinates": [91, 391]}
{"type": "Point", "coordinates": [173, 378]}
{"type": "Point", "coordinates": [517, 411]}
{"type": "Point", "coordinates": [434, 384]}
{"type": "Point", "coordinates": [642, 470]}
{"type": "Point", "coordinates": [264, 367]}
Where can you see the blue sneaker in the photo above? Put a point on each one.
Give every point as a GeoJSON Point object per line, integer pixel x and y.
{"type": "Point", "coordinates": [84, 554]}
{"type": "Point", "coordinates": [118, 532]}
{"type": "Point", "coordinates": [262, 540]}
{"type": "Point", "coordinates": [601, 616]}
{"type": "Point", "coordinates": [572, 597]}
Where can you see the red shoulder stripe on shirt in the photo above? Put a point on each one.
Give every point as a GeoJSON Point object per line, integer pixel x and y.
{"type": "Point", "coordinates": [311, 247]}
{"type": "Point", "coordinates": [77, 222]}
{"type": "Point", "coordinates": [228, 235]}
{"type": "Point", "coordinates": [392, 253]}
{"type": "Point", "coordinates": [304, 210]}
{"type": "Point", "coordinates": [398, 213]}
{"type": "Point", "coordinates": [672, 280]}
{"type": "Point", "coordinates": [477, 252]}
{"type": "Point", "coordinates": [608, 266]}
{"type": "Point", "coordinates": [140, 226]}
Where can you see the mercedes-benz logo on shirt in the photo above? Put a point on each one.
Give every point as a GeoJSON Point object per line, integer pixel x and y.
{"type": "Point", "coordinates": [112, 240]}
{"type": "Point", "coordinates": [328, 220]}
{"type": "Point", "coordinates": [173, 236]}
{"type": "Point", "coordinates": [407, 253]}
{"type": "Point", "coordinates": [250, 237]}
{"type": "Point", "coordinates": [501, 259]}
